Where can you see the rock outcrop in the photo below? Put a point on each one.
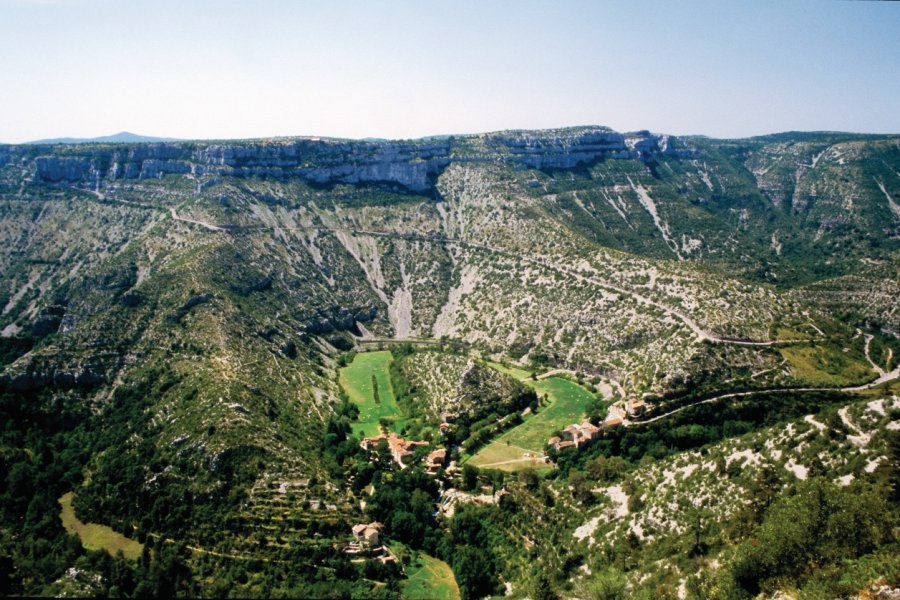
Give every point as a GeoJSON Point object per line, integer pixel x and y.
{"type": "Point", "coordinates": [647, 144]}
{"type": "Point", "coordinates": [413, 165]}
{"type": "Point", "coordinates": [322, 162]}
{"type": "Point", "coordinates": [562, 149]}
{"type": "Point", "coordinates": [35, 375]}
{"type": "Point", "coordinates": [337, 319]}
{"type": "Point", "coordinates": [53, 169]}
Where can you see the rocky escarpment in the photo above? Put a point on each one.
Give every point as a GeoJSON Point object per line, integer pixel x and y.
{"type": "Point", "coordinates": [413, 165]}
{"type": "Point", "coordinates": [322, 162]}
{"type": "Point", "coordinates": [569, 148]}
{"type": "Point", "coordinates": [54, 169]}
{"type": "Point", "coordinates": [336, 318]}
{"type": "Point", "coordinates": [560, 149]}
{"type": "Point", "coordinates": [647, 145]}
{"type": "Point", "coordinates": [37, 372]}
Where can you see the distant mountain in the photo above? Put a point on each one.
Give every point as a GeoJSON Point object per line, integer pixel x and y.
{"type": "Point", "coordinates": [123, 137]}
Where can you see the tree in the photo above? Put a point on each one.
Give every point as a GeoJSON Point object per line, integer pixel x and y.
{"type": "Point", "coordinates": [581, 488]}
{"type": "Point", "coordinates": [469, 478]}
{"type": "Point", "coordinates": [818, 526]}
{"type": "Point", "coordinates": [405, 527]}
{"type": "Point", "coordinates": [474, 570]}
{"type": "Point", "coordinates": [466, 528]}
{"type": "Point", "coordinates": [529, 479]}
{"type": "Point", "coordinates": [541, 588]}
{"type": "Point", "coordinates": [606, 469]}
{"type": "Point", "coordinates": [697, 519]}
{"type": "Point", "coordinates": [892, 466]}
{"type": "Point", "coordinates": [608, 584]}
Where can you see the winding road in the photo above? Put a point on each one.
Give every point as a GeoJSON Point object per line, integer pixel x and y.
{"type": "Point", "coordinates": [701, 334]}
{"type": "Point", "coordinates": [884, 378]}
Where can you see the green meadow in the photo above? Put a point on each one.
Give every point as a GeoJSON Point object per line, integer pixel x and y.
{"type": "Point", "coordinates": [94, 536]}
{"type": "Point", "coordinates": [357, 381]}
{"type": "Point", "coordinates": [567, 404]}
{"type": "Point", "coordinates": [430, 579]}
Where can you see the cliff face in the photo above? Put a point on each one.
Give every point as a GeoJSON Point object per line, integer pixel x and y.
{"type": "Point", "coordinates": [316, 161]}
{"type": "Point", "coordinates": [413, 165]}
{"type": "Point", "coordinates": [562, 149]}
{"type": "Point", "coordinates": [53, 169]}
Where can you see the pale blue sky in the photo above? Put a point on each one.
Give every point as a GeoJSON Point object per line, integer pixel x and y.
{"type": "Point", "coordinates": [230, 69]}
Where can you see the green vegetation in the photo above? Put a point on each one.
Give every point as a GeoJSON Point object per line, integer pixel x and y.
{"type": "Point", "coordinates": [809, 535]}
{"type": "Point", "coordinates": [94, 536]}
{"type": "Point", "coordinates": [367, 383]}
{"type": "Point", "coordinates": [437, 386]}
{"type": "Point", "coordinates": [699, 425]}
{"type": "Point", "coordinates": [430, 579]}
{"type": "Point", "coordinates": [182, 380]}
{"type": "Point", "coordinates": [827, 365]}
{"type": "Point", "coordinates": [567, 403]}
{"type": "Point", "coordinates": [516, 372]}
{"type": "Point", "coordinates": [507, 457]}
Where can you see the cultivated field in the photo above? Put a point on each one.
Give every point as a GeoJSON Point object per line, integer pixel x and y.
{"type": "Point", "coordinates": [94, 536]}
{"type": "Point", "coordinates": [430, 579]}
{"type": "Point", "coordinates": [514, 372]}
{"type": "Point", "coordinates": [516, 449]}
{"type": "Point", "coordinates": [356, 379]}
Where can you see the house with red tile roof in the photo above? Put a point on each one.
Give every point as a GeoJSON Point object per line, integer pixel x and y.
{"type": "Point", "coordinates": [436, 460]}
{"type": "Point", "coordinates": [401, 449]}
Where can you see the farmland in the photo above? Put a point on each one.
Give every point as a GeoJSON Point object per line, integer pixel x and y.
{"type": "Point", "coordinates": [430, 579]}
{"type": "Point", "coordinates": [357, 380]}
{"type": "Point", "coordinates": [514, 449]}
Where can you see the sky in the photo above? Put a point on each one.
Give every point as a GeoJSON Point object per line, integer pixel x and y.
{"type": "Point", "coordinates": [222, 69]}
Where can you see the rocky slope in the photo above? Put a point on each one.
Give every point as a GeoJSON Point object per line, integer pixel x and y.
{"type": "Point", "coordinates": [217, 281]}
{"type": "Point", "coordinates": [452, 388]}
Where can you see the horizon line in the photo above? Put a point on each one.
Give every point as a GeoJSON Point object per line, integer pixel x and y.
{"type": "Point", "coordinates": [173, 139]}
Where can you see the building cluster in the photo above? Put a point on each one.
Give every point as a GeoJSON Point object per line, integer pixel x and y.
{"type": "Point", "coordinates": [366, 543]}
{"type": "Point", "coordinates": [403, 450]}
{"type": "Point", "coordinates": [367, 536]}
{"type": "Point", "coordinates": [635, 406]}
{"type": "Point", "coordinates": [436, 460]}
{"type": "Point", "coordinates": [576, 435]}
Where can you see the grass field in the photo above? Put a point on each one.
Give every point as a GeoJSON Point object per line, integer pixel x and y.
{"type": "Point", "coordinates": [508, 457]}
{"type": "Point", "coordinates": [568, 402]}
{"type": "Point", "coordinates": [827, 365]}
{"type": "Point", "coordinates": [788, 333]}
{"type": "Point", "coordinates": [96, 537]}
{"type": "Point", "coordinates": [430, 579]}
{"type": "Point", "coordinates": [514, 372]}
{"type": "Point", "coordinates": [356, 380]}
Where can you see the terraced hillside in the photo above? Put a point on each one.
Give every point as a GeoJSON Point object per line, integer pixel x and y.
{"type": "Point", "coordinates": [677, 523]}
{"type": "Point", "coordinates": [440, 386]}
{"type": "Point", "coordinates": [174, 314]}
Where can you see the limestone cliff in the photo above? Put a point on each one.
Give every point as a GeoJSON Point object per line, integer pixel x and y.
{"type": "Point", "coordinates": [413, 165]}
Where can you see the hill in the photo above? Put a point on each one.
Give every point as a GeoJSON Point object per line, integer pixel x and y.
{"type": "Point", "coordinates": [175, 316]}
{"type": "Point", "coordinates": [123, 137]}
